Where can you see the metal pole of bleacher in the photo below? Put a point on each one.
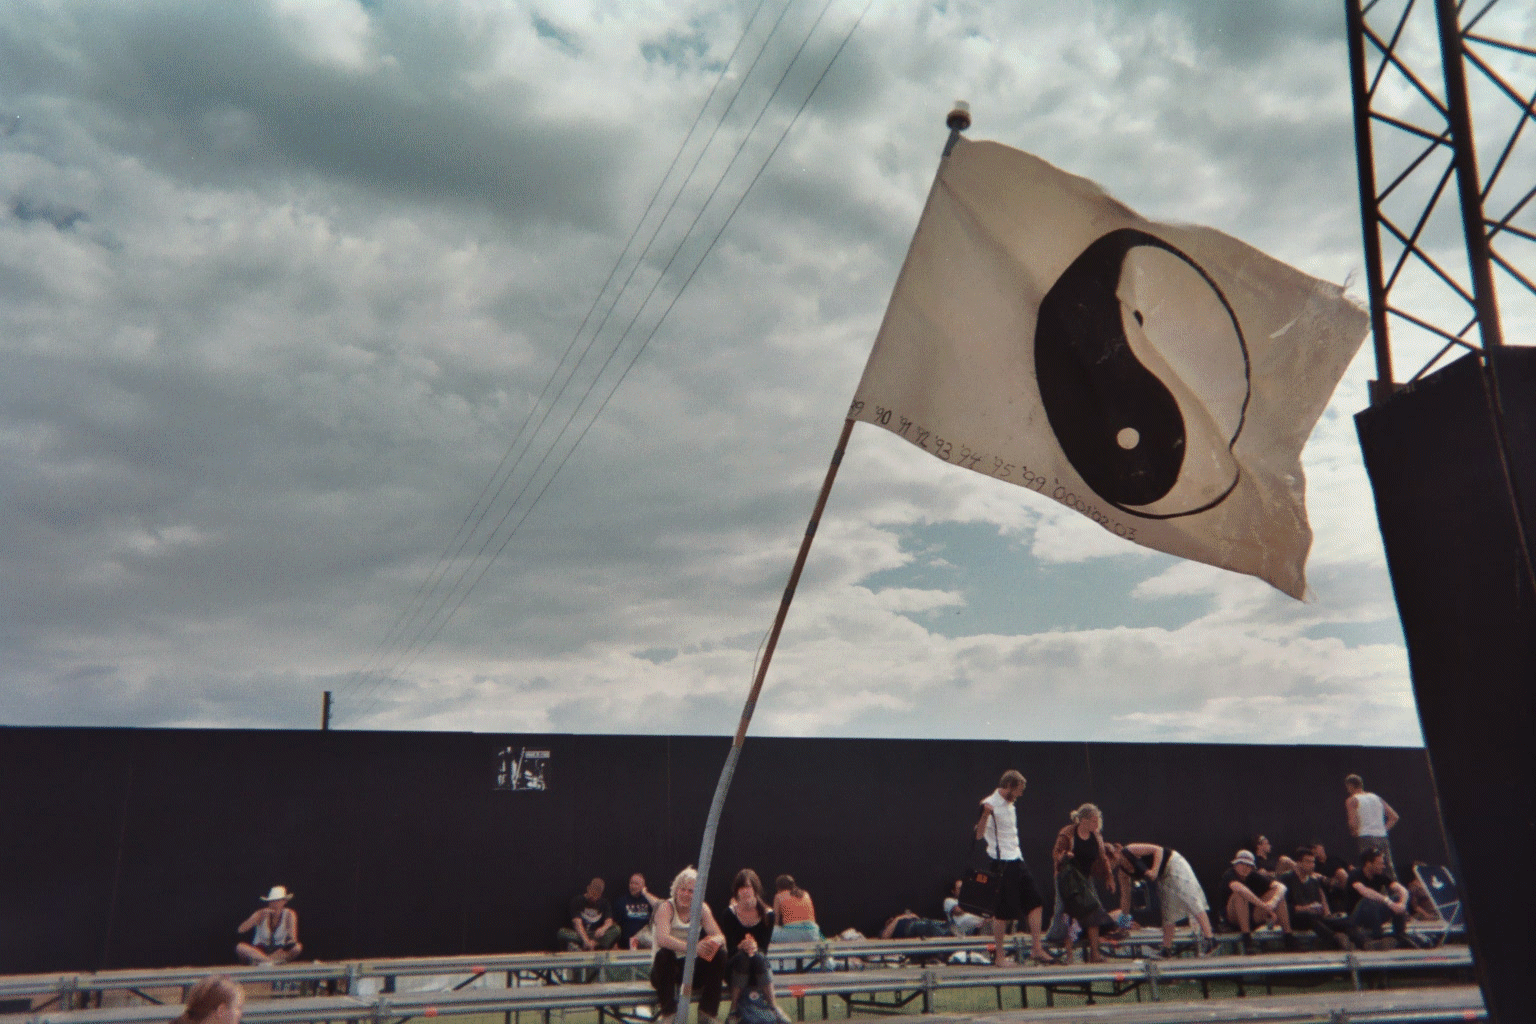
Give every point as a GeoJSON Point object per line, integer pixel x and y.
{"type": "Point", "coordinates": [958, 120]}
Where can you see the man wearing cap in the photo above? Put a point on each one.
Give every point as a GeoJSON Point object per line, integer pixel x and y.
{"type": "Point", "coordinates": [1253, 899]}
{"type": "Point", "coordinates": [276, 940]}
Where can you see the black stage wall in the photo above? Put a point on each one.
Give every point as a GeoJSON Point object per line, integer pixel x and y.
{"type": "Point", "coordinates": [1450, 519]}
{"type": "Point", "coordinates": [145, 848]}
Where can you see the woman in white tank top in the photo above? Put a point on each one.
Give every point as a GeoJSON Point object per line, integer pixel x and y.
{"type": "Point", "coordinates": [671, 923]}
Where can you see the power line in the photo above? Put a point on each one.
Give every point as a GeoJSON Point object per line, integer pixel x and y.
{"type": "Point", "coordinates": [408, 659]}
{"type": "Point", "coordinates": [429, 584]}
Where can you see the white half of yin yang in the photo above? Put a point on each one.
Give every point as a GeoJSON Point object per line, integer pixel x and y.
{"type": "Point", "coordinates": [1186, 336]}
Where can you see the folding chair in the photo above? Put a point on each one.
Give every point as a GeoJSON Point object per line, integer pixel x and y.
{"type": "Point", "coordinates": [1442, 888]}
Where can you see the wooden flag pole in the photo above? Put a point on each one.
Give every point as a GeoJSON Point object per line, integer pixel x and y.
{"type": "Point", "coordinates": [959, 119]}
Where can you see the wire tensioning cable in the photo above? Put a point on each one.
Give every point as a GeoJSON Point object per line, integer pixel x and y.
{"type": "Point", "coordinates": [409, 658]}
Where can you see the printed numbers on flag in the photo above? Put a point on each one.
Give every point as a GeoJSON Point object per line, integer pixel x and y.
{"type": "Point", "coordinates": [922, 438]}
{"type": "Point", "coordinates": [1000, 468]}
{"type": "Point", "coordinates": [942, 448]}
{"type": "Point", "coordinates": [882, 416]}
{"type": "Point", "coordinates": [968, 458]}
{"type": "Point", "coordinates": [905, 423]}
{"type": "Point", "coordinates": [854, 409]}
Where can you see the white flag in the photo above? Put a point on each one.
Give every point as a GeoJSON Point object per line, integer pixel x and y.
{"type": "Point", "coordinates": [1159, 379]}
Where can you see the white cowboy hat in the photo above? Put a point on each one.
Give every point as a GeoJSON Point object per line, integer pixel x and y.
{"type": "Point", "coordinates": [277, 893]}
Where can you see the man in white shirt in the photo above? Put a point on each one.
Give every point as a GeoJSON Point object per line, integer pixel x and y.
{"type": "Point", "coordinates": [1370, 818]}
{"type": "Point", "coordinates": [1017, 896]}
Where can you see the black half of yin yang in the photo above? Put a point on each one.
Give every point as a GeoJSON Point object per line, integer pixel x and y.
{"type": "Point", "coordinates": [1143, 373]}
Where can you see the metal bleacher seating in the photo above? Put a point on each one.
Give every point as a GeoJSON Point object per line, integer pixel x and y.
{"type": "Point", "coordinates": [864, 976]}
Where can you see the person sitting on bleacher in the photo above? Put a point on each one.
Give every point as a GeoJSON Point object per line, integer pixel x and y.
{"type": "Point", "coordinates": [795, 912]}
{"type": "Point", "coordinates": [1335, 872]}
{"type": "Point", "coordinates": [635, 909]}
{"type": "Point", "coordinates": [1265, 862]}
{"type": "Point", "coordinates": [961, 921]}
{"type": "Point", "coordinates": [592, 925]}
{"type": "Point", "coordinates": [1253, 900]}
{"type": "Point", "coordinates": [671, 923]}
{"type": "Point", "coordinates": [1306, 896]}
{"type": "Point", "coordinates": [747, 925]}
{"type": "Point", "coordinates": [276, 937]}
{"type": "Point", "coordinates": [1378, 898]}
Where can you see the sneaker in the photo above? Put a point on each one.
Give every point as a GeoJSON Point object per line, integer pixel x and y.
{"type": "Point", "coordinates": [1204, 946]}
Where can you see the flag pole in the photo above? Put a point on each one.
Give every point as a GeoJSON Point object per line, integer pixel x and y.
{"type": "Point", "coordinates": [959, 120]}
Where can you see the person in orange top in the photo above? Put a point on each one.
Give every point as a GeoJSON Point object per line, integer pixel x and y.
{"type": "Point", "coordinates": [795, 912]}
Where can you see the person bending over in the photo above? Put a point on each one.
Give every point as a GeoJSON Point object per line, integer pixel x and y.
{"type": "Point", "coordinates": [1254, 900]}
{"type": "Point", "coordinates": [1178, 890]}
{"type": "Point", "coordinates": [276, 936]}
{"type": "Point", "coordinates": [748, 924]}
{"type": "Point", "coordinates": [671, 924]}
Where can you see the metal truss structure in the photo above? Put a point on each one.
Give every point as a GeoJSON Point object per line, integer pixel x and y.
{"type": "Point", "coordinates": [1423, 72]}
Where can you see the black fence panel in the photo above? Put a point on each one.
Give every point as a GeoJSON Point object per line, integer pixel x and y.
{"type": "Point", "coordinates": [147, 847]}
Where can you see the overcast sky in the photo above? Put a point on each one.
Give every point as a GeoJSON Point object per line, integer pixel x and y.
{"type": "Point", "coordinates": [281, 282]}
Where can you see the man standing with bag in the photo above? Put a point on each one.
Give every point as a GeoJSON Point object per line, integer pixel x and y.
{"type": "Point", "coordinates": [1017, 896]}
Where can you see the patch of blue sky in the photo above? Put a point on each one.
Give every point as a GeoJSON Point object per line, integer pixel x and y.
{"type": "Point", "coordinates": [1360, 634]}
{"type": "Point", "coordinates": [1010, 592]}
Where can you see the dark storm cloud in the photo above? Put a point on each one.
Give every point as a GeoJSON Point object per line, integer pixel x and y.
{"type": "Point", "coordinates": [218, 93]}
{"type": "Point", "coordinates": [61, 218]}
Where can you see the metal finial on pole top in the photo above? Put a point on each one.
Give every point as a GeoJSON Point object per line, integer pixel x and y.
{"type": "Point", "coordinates": [958, 120]}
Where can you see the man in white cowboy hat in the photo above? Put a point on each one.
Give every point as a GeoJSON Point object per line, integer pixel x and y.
{"type": "Point", "coordinates": [276, 940]}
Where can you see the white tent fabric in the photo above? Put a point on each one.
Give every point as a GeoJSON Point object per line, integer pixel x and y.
{"type": "Point", "coordinates": [1160, 379]}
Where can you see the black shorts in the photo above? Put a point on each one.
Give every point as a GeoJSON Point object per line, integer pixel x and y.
{"type": "Point", "coordinates": [269, 950]}
{"type": "Point", "coordinates": [1017, 894]}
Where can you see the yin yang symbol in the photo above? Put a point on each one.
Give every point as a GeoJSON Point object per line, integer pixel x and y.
{"type": "Point", "coordinates": [1144, 374]}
